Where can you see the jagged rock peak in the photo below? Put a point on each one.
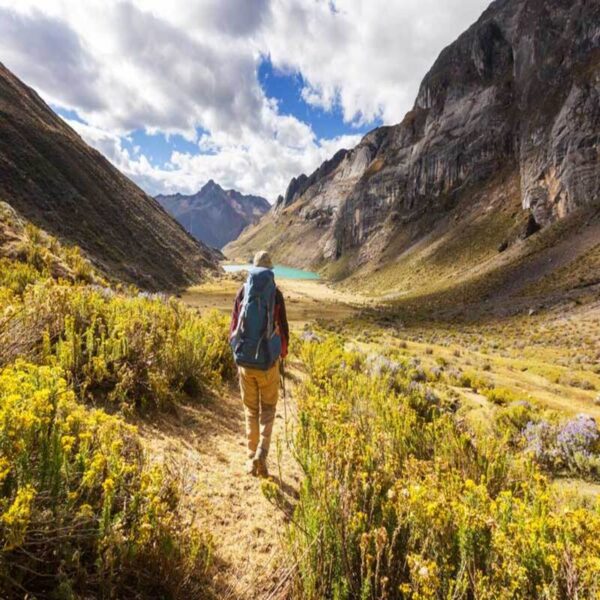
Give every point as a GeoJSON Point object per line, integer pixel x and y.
{"type": "Point", "coordinates": [214, 215]}
{"type": "Point", "coordinates": [513, 104]}
{"type": "Point", "coordinates": [298, 185]}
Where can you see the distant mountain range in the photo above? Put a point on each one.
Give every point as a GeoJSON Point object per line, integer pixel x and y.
{"type": "Point", "coordinates": [213, 215]}
{"type": "Point", "coordinates": [52, 178]}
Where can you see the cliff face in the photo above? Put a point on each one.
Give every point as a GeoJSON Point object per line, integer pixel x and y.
{"type": "Point", "coordinates": [213, 215]}
{"type": "Point", "coordinates": [513, 103]}
{"type": "Point", "coordinates": [50, 176]}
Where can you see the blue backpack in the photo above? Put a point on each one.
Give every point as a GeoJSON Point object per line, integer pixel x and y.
{"type": "Point", "coordinates": [255, 341]}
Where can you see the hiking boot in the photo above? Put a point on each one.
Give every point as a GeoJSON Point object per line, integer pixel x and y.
{"type": "Point", "coordinates": [251, 467]}
{"type": "Point", "coordinates": [260, 464]}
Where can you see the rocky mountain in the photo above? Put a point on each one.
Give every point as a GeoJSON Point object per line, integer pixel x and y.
{"type": "Point", "coordinates": [52, 178]}
{"type": "Point", "coordinates": [213, 215]}
{"type": "Point", "coordinates": [503, 140]}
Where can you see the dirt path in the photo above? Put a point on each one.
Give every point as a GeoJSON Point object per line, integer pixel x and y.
{"type": "Point", "coordinates": [204, 445]}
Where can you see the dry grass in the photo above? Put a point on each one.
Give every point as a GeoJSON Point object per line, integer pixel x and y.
{"type": "Point", "coordinates": [528, 357]}
{"type": "Point", "coordinates": [205, 445]}
{"type": "Point", "coordinates": [306, 300]}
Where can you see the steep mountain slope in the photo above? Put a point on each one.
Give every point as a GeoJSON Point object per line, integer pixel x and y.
{"type": "Point", "coordinates": [503, 139]}
{"type": "Point", "coordinates": [213, 215]}
{"type": "Point", "coordinates": [55, 180]}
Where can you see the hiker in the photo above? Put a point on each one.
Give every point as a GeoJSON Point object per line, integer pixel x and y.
{"type": "Point", "coordinates": [259, 336]}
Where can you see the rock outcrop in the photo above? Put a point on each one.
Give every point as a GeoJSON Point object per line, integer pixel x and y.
{"type": "Point", "coordinates": [51, 177]}
{"type": "Point", "coordinates": [298, 185]}
{"type": "Point", "coordinates": [516, 98]}
{"type": "Point", "coordinates": [213, 215]}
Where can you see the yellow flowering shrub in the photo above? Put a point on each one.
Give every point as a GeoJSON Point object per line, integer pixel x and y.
{"type": "Point", "coordinates": [404, 502]}
{"type": "Point", "coordinates": [79, 508]}
{"type": "Point", "coordinates": [82, 513]}
{"type": "Point", "coordinates": [138, 349]}
{"type": "Point", "coordinates": [16, 276]}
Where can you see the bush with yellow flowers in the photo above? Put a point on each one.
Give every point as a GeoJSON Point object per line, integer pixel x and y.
{"type": "Point", "coordinates": [127, 348]}
{"type": "Point", "coordinates": [403, 501]}
{"type": "Point", "coordinates": [80, 511]}
{"type": "Point", "coordinates": [138, 350]}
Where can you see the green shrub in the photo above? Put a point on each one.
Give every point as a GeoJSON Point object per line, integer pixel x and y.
{"type": "Point", "coordinates": [514, 417]}
{"type": "Point", "coordinates": [16, 276]}
{"type": "Point", "coordinates": [140, 350]}
{"type": "Point", "coordinates": [501, 396]}
{"type": "Point", "coordinates": [80, 511]}
{"type": "Point", "coordinates": [82, 514]}
{"type": "Point", "coordinates": [399, 502]}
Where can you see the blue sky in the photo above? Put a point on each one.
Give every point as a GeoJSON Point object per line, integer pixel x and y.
{"type": "Point", "coordinates": [249, 93]}
{"type": "Point", "coordinates": [287, 88]}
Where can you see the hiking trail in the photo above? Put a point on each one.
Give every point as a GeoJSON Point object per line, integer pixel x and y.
{"type": "Point", "coordinates": [205, 445]}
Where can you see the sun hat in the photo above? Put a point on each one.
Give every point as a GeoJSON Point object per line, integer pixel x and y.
{"type": "Point", "coordinates": [263, 259]}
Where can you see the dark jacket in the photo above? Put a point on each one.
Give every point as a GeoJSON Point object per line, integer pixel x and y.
{"type": "Point", "coordinates": [281, 322]}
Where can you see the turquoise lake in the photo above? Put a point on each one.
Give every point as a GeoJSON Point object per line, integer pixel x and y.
{"type": "Point", "coordinates": [280, 271]}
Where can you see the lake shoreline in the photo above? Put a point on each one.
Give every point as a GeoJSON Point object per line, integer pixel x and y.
{"type": "Point", "coordinates": [280, 271]}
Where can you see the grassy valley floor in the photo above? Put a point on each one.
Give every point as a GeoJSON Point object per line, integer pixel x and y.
{"type": "Point", "coordinates": [548, 359]}
{"type": "Point", "coordinates": [410, 453]}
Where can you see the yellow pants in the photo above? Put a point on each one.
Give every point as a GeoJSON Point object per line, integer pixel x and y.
{"type": "Point", "coordinates": [260, 392]}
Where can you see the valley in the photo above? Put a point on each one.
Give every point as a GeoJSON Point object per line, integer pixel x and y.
{"type": "Point", "coordinates": [437, 431]}
{"type": "Point", "coordinates": [550, 357]}
{"type": "Point", "coordinates": [486, 369]}
{"type": "Point", "coordinates": [491, 377]}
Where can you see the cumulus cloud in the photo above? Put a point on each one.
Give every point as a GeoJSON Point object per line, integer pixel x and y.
{"type": "Point", "coordinates": [240, 166]}
{"type": "Point", "coordinates": [183, 67]}
{"type": "Point", "coordinates": [50, 52]}
{"type": "Point", "coordinates": [367, 56]}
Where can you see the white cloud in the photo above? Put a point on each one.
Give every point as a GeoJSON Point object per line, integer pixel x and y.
{"type": "Point", "coordinates": [368, 56]}
{"type": "Point", "coordinates": [180, 66]}
{"type": "Point", "coordinates": [238, 166]}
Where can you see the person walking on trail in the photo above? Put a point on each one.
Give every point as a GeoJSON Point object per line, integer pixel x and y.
{"type": "Point", "coordinates": [259, 337]}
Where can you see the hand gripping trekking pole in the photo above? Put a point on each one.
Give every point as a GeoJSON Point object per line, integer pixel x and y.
{"type": "Point", "coordinates": [282, 375]}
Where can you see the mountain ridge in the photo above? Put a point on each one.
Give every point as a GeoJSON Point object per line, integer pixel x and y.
{"type": "Point", "coordinates": [214, 215]}
{"type": "Point", "coordinates": [52, 178]}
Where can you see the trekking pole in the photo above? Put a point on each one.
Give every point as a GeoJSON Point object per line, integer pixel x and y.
{"type": "Point", "coordinates": [282, 375]}
{"type": "Point", "coordinates": [285, 417]}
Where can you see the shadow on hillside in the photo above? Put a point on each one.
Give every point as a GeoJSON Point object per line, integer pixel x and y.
{"type": "Point", "coordinates": [554, 267]}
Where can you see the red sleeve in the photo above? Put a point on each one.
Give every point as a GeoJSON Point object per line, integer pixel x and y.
{"type": "Point", "coordinates": [235, 314]}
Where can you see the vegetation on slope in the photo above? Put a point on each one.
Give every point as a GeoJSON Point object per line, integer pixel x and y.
{"type": "Point", "coordinates": [59, 183]}
{"type": "Point", "coordinates": [406, 494]}
{"type": "Point", "coordinates": [82, 510]}
{"type": "Point", "coordinates": [402, 499]}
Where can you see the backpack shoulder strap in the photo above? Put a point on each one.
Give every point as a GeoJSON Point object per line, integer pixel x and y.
{"type": "Point", "coordinates": [243, 309]}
